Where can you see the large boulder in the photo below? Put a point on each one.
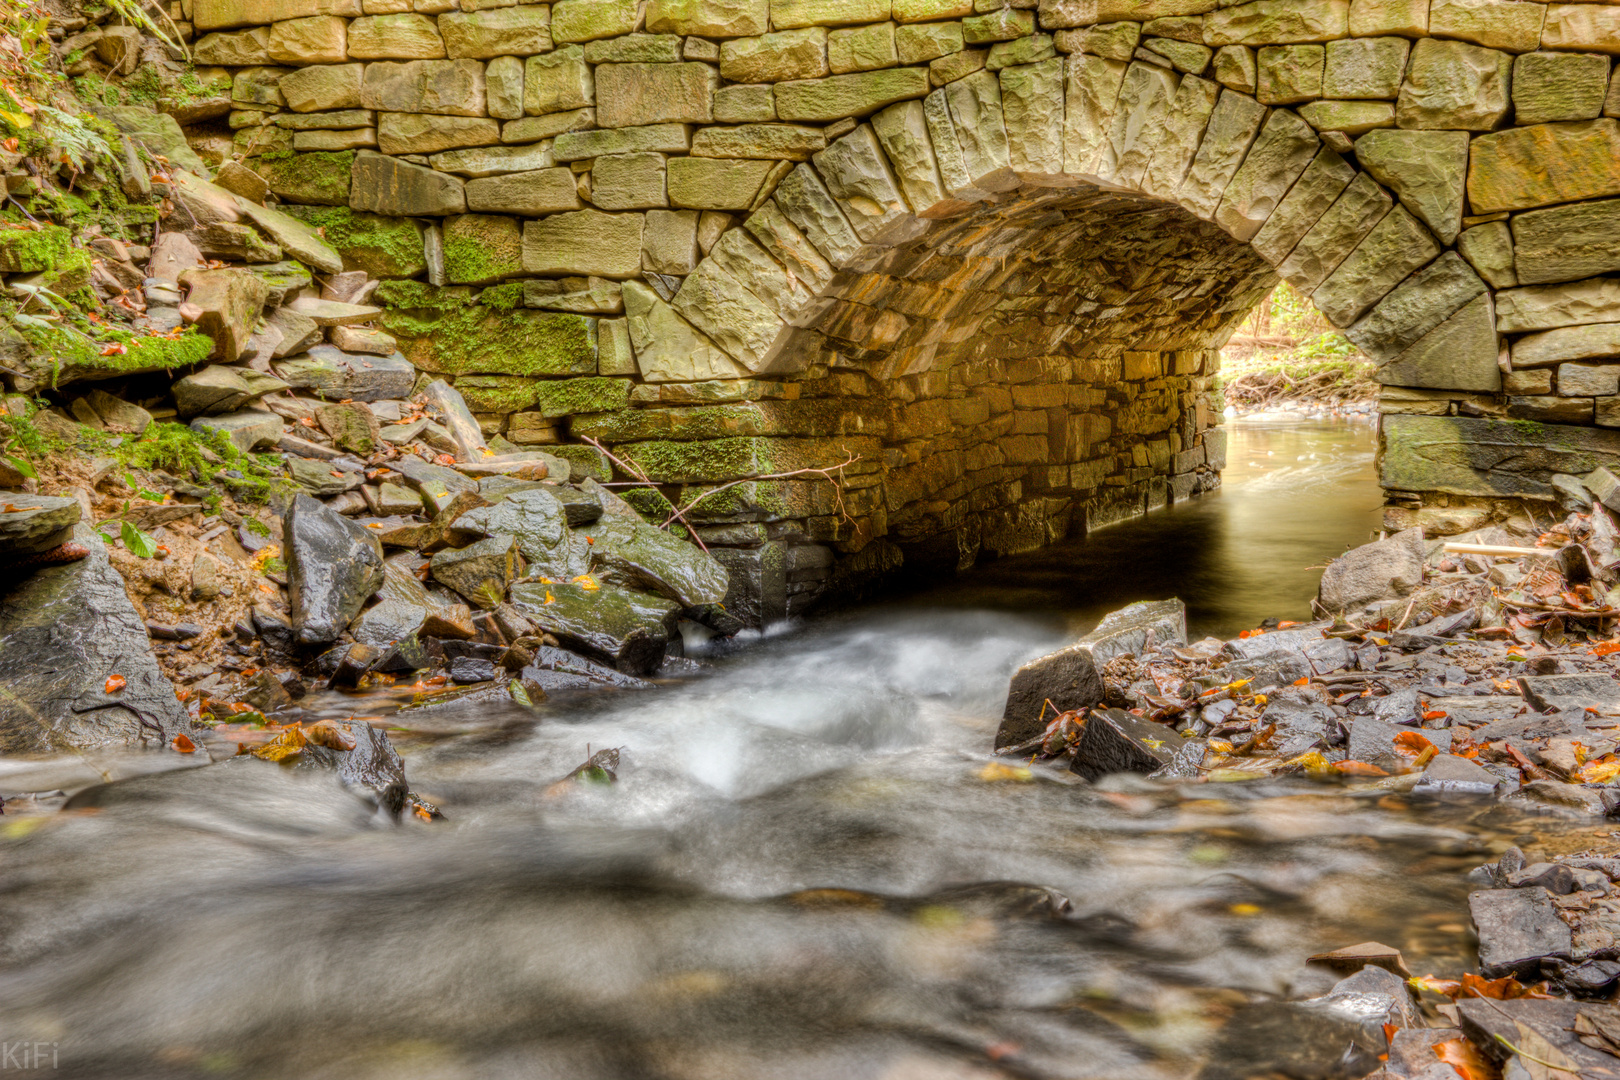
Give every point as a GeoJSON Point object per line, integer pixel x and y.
{"type": "Point", "coordinates": [1384, 570]}
{"type": "Point", "coordinates": [65, 631]}
{"type": "Point", "coordinates": [630, 630]}
{"type": "Point", "coordinates": [372, 765]}
{"type": "Point", "coordinates": [636, 555]}
{"type": "Point", "coordinates": [333, 567]}
{"type": "Point", "coordinates": [1068, 678]}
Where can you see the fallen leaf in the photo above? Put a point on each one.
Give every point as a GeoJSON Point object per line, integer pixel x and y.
{"type": "Point", "coordinates": [115, 683]}
{"type": "Point", "coordinates": [326, 733]}
{"type": "Point", "coordinates": [289, 743]}
{"type": "Point", "coordinates": [1413, 742]}
{"type": "Point", "coordinates": [1465, 1058]}
{"type": "Point", "coordinates": [995, 770]}
{"type": "Point", "coordinates": [1357, 768]}
{"type": "Point", "coordinates": [183, 744]}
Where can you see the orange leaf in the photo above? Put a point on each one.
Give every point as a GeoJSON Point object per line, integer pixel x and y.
{"type": "Point", "coordinates": [1413, 741]}
{"type": "Point", "coordinates": [1445, 987]}
{"type": "Point", "coordinates": [115, 683]}
{"type": "Point", "coordinates": [1608, 648]}
{"type": "Point", "coordinates": [1357, 768]}
{"type": "Point", "coordinates": [1435, 714]}
{"type": "Point", "coordinates": [1504, 989]}
{"type": "Point", "coordinates": [1306, 681]}
{"type": "Point", "coordinates": [114, 350]}
{"type": "Point", "coordinates": [1464, 1057]}
{"type": "Point", "coordinates": [183, 744]}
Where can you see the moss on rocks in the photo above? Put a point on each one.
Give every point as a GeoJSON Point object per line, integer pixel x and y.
{"type": "Point", "coordinates": [445, 331]}
{"type": "Point", "coordinates": [63, 355]}
{"type": "Point", "coordinates": [482, 248]}
{"type": "Point", "coordinates": [384, 247]}
{"type": "Point", "coordinates": [29, 251]}
{"type": "Point", "coordinates": [320, 178]}
{"type": "Point", "coordinates": [496, 393]}
{"type": "Point", "coordinates": [564, 397]}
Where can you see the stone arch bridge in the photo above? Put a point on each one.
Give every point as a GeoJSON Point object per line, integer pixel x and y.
{"type": "Point", "coordinates": [987, 248]}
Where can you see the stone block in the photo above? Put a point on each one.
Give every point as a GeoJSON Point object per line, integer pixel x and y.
{"type": "Point", "coordinates": [442, 87]}
{"type": "Point", "coordinates": [557, 82]}
{"type": "Point", "coordinates": [1236, 68]}
{"type": "Point", "coordinates": [1546, 307]}
{"type": "Point", "coordinates": [947, 69]}
{"type": "Point", "coordinates": [354, 139]}
{"type": "Point", "coordinates": [866, 48]}
{"type": "Point", "coordinates": [980, 130]}
{"type": "Point", "coordinates": [590, 20]}
{"type": "Point", "coordinates": [907, 11]}
{"type": "Point", "coordinates": [1567, 243]}
{"type": "Point", "coordinates": [636, 95]}
{"type": "Point", "coordinates": [221, 14]}
{"type": "Point", "coordinates": [1489, 250]}
{"type": "Point", "coordinates": [1490, 458]}
{"type": "Point", "coordinates": [779, 236]}
{"type": "Point", "coordinates": [532, 129]}
{"type": "Point", "coordinates": [778, 57]}
{"type": "Point", "coordinates": [1409, 18]}
{"type": "Point", "coordinates": [1454, 85]}
{"type": "Point", "coordinates": [804, 200]}
{"type": "Point", "coordinates": [667, 347]}
{"type": "Point", "coordinates": [1349, 118]}
{"type": "Point", "coordinates": [1351, 217]}
{"type": "Point", "coordinates": [790, 14]}
{"type": "Point", "coordinates": [493, 160]}
{"type": "Point", "coordinates": [1278, 22]}
{"type": "Point", "coordinates": [388, 186]}
{"type": "Point", "coordinates": [731, 316]}
{"type": "Point", "coordinates": [1526, 167]}
{"type": "Point", "coordinates": [759, 273]}
{"type": "Point", "coordinates": [1038, 47]}
{"type": "Point", "coordinates": [584, 242]}
{"type": "Point", "coordinates": [582, 295]}
{"type": "Point", "coordinates": [998, 24]}
{"type": "Point", "coordinates": [320, 39]}
{"type": "Point", "coordinates": [838, 97]}
{"type": "Point", "coordinates": [1588, 380]}
{"type": "Point", "coordinates": [766, 142]}
{"type": "Point", "coordinates": [1595, 340]}
{"type": "Point", "coordinates": [1365, 67]}
{"type": "Point", "coordinates": [657, 138]}
{"type": "Point", "coordinates": [1418, 305]}
{"type": "Point", "coordinates": [1232, 128]}
{"type": "Point", "coordinates": [1283, 150]}
{"type": "Point", "coordinates": [242, 48]}
{"type": "Point", "coordinates": [1582, 27]}
{"type": "Point", "coordinates": [422, 133]}
{"type": "Point", "coordinates": [1091, 95]}
{"type": "Point", "coordinates": [1395, 247]}
{"type": "Point", "coordinates": [1138, 123]}
{"type": "Point", "coordinates": [1183, 129]}
{"type": "Point", "coordinates": [1514, 25]}
{"type": "Point", "coordinates": [709, 18]}
{"type": "Point", "coordinates": [1032, 110]}
{"type": "Point", "coordinates": [514, 31]}
{"type": "Point", "coordinates": [633, 49]}
{"type": "Point", "coordinates": [1184, 56]}
{"type": "Point", "coordinates": [1426, 170]}
{"type": "Point", "coordinates": [629, 182]}
{"type": "Point", "coordinates": [1289, 74]}
{"type": "Point", "coordinates": [669, 242]}
{"type": "Point", "coordinates": [744, 104]}
{"type": "Point", "coordinates": [858, 177]}
{"type": "Point", "coordinates": [921, 42]}
{"type": "Point", "coordinates": [395, 37]}
{"type": "Point", "coordinates": [702, 183]}
{"type": "Point", "coordinates": [1522, 383]}
{"type": "Point", "coordinates": [315, 179]}
{"type": "Point", "coordinates": [529, 194]}
{"type": "Point", "coordinates": [1459, 354]}
{"type": "Point", "coordinates": [1558, 86]}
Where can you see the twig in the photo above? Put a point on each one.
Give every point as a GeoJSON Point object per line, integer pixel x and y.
{"type": "Point", "coordinates": [825, 473]}
{"type": "Point", "coordinates": [645, 482]}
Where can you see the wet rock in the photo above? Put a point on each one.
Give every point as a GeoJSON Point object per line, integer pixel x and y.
{"type": "Point", "coordinates": [333, 567]}
{"type": "Point", "coordinates": [628, 629]}
{"type": "Point", "coordinates": [1133, 629]}
{"type": "Point", "coordinates": [373, 766]}
{"type": "Point", "coordinates": [559, 669]}
{"type": "Point", "coordinates": [535, 518]}
{"type": "Point", "coordinates": [1518, 928]}
{"type": "Point", "coordinates": [1185, 765]}
{"type": "Point", "coordinates": [266, 693]}
{"type": "Point", "coordinates": [338, 375]}
{"type": "Point", "coordinates": [635, 555]}
{"type": "Point", "coordinates": [1555, 793]}
{"type": "Point", "coordinates": [387, 622]}
{"type": "Point", "coordinates": [1449, 774]}
{"type": "Point", "coordinates": [1482, 1020]}
{"type": "Point", "coordinates": [440, 531]}
{"type": "Point", "coordinates": [480, 572]}
{"type": "Point", "coordinates": [1571, 692]}
{"type": "Point", "coordinates": [1339, 1037]}
{"type": "Point", "coordinates": [1041, 689]}
{"type": "Point", "coordinates": [406, 654]}
{"type": "Point", "coordinates": [320, 478]}
{"type": "Point", "coordinates": [65, 630]}
{"type": "Point", "coordinates": [468, 669]}
{"type": "Point", "coordinates": [1384, 570]}
{"type": "Point", "coordinates": [1115, 741]}
{"type": "Point", "coordinates": [1373, 741]}
{"type": "Point", "coordinates": [354, 662]}
{"type": "Point", "coordinates": [1377, 981]}
{"type": "Point", "coordinates": [41, 522]}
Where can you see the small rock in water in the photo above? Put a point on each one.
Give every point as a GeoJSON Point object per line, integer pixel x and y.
{"type": "Point", "coordinates": [469, 669]}
{"type": "Point", "coordinates": [1115, 741]}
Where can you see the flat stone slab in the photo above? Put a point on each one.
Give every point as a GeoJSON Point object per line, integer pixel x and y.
{"type": "Point", "coordinates": [32, 523]}
{"type": "Point", "coordinates": [335, 374]}
{"type": "Point", "coordinates": [1115, 741]}
{"type": "Point", "coordinates": [1517, 928]}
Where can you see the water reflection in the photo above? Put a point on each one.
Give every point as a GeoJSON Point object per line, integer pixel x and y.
{"type": "Point", "coordinates": [801, 873]}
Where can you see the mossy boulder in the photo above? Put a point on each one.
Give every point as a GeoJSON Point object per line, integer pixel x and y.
{"type": "Point", "coordinates": [446, 331]}
{"type": "Point", "coordinates": [384, 247]}
{"type": "Point", "coordinates": [482, 248]}
{"type": "Point", "coordinates": [496, 393]}
{"type": "Point", "coordinates": [320, 178]}
{"type": "Point", "coordinates": [29, 251]}
{"type": "Point", "coordinates": [65, 356]}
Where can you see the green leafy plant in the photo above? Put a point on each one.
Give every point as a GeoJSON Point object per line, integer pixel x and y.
{"type": "Point", "coordinates": [141, 544]}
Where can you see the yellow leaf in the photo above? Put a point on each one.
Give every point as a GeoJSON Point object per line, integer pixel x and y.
{"type": "Point", "coordinates": [995, 770]}
{"type": "Point", "coordinates": [1311, 761]}
{"type": "Point", "coordinates": [1244, 909]}
{"type": "Point", "coordinates": [1599, 772]}
{"type": "Point", "coordinates": [586, 582]}
{"type": "Point", "coordinates": [1260, 699]}
{"type": "Point", "coordinates": [288, 744]}
{"type": "Point", "coordinates": [16, 120]}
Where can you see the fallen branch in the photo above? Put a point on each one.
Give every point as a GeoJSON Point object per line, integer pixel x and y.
{"type": "Point", "coordinates": [644, 481]}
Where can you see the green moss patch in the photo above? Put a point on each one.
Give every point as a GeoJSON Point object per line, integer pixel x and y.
{"type": "Point", "coordinates": [496, 393]}
{"type": "Point", "coordinates": [444, 331]}
{"type": "Point", "coordinates": [30, 251]}
{"type": "Point", "coordinates": [482, 248]}
{"type": "Point", "coordinates": [66, 355]}
{"type": "Point", "coordinates": [321, 178]}
{"type": "Point", "coordinates": [564, 397]}
{"type": "Point", "coordinates": [384, 247]}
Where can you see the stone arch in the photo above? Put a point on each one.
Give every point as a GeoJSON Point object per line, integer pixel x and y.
{"type": "Point", "coordinates": [998, 267]}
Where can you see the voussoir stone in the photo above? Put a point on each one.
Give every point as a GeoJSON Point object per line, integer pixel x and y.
{"type": "Point", "coordinates": [1418, 305]}
{"type": "Point", "coordinates": [1426, 170]}
{"type": "Point", "coordinates": [1395, 247]}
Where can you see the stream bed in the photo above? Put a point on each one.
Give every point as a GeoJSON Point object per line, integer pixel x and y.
{"type": "Point", "coordinates": [805, 869]}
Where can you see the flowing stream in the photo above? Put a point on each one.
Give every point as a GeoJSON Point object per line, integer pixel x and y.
{"type": "Point", "coordinates": [800, 873]}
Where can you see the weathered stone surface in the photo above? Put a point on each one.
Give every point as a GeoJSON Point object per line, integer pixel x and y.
{"type": "Point", "coordinates": [1489, 250]}
{"type": "Point", "coordinates": [585, 296]}
{"type": "Point", "coordinates": [667, 348]}
{"type": "Point", "coordinates": [480, 572]}
{"type": "Point", "coordinates": [523, 30]}
{"type": "Point", "coordinates": [1517, 928]}
{"type": "Point", "coordinates": [760, 274]}
{"type": "Point", "coordinates": [1183, 129]}
{"type": "Point", "coordinates": [1186, 56]}
{"type": "Point", "coordinates": [240, 49]}
{"type": "Point", "coordinates": [709, 18]}
{"type": "Point", "coordinates": [789, 246]}
{"type": "Point", "coordinates": [629, 182]}
{"type": "Point", "coordinates": [1418, 305]}
{"type": "Point", "coordinates": [442, 87]}
{"type": "Point", "coordinates": [386, 185]}
{"type": "Point", "coordinates": [533, 194]}
{"type": "Point", "coordinates": [920, 43]}
{"type": "Point", "coordinates": [865, 48]}
{"type": "Point", "coordinates": [858, 177]}
{"type": "Point", "coordinates": [1459, 354]}
{"type": "Point", "coordinates": [66, 629]}
{"type": "Point", "coordinates": [634, 555]}
{"type": "Point", "coordinates": [1395, 247]}
{"type": "Point", "coordinates": [503, 90]}
{"type": "Point", "coordinates": [480, 249]}
{"type": "Point", "coordinates": [1350, 117]}
{"type": "Point", "coordinates": [1546, 307]}
{"type": "Point", "coordinates": [1469, 456]}
{"type": "Point", "coordinates": [1548, 163]}
{"type": "Point", "coordinates": [1032, 109]}
{"type": "Point", "coordinates": [1323, 181]}
{"type": "Point", "coordinates": [1558, 86]}
{"type": "Point", "coordinates": [628, 629]}
{"type": "Point", "coordinates": [981, 132]}
{"type": "Point", "coordinates": [1236, 68]}
{"type": "Point", "coordinates": [395, 37]}
{"type": "Point", "coordinates": [1114, 741]}
{"type": "Point", "coordinates": [1285, 146]}
{"type": "Point", "coordinates": [632, 49]}
{"type": "Point", "coordinates": [779, 142]}
{"type": "Point", "coordinates": [1383, 570]}
{"type": "Point", "coordinates": [805, 201]}
{"type": "Point", "coordinates": [331, 86]}
{"type": "Point", "coordinates": [657, 138]}
{"type": "Point", "coordinates": [1426, 169]}
{"type": "Point", "coordinates": [315, 40]}
{"type": "Point", "coordinates": [584, 242]}
{"type": "Point", "coordinates": [420, 133]}
{"type": "Point", "coordinates": [493, 160]}
{"type": "Point", "coordinates": [1365, 67]}
{"type": "Point", "coordinates": [1352, 216]}
{"type": "Point", "coordinates": [337, 375]}
{"type": "Point", "coordinates": [220, 388]}
{"type": "Point", "coordinates": [1567, 243]}
{"type": "Point", "coordinates": [636, 95]}
{"type": "Point", "coordinates": [1409, 18]}
{"type": "Point", "coordinates": [1091, 94]}
{"type": "Point", "coordinates": [1289, 74]}
{"type": "Point", "coordinates": [1232, 128]}
{"type": "Point", "coordinates": [716, 183]}
{"type": "Point", "coordinates": [1567, 343]}
{"type": "Point", "coordinates": [902, 130]}
{"type": "Point", "coordinates": [669, 242]}
{"type": "Point", "coordinates": [840, 96]}
{"type": "Point", "coordinates": [1581, 26]}
{"type": "Point", "coordinates": [228, 302]}
{"type": "Point", "coordinates": [745, 104]}
{"type": "Point", "coordinates": [591, 20]}
{"type": "Point", "coordinates": [333, 566]}
{"type": "Point", "coordinates": [1277, 22]}
{"type": "Point", "coordinates": [1451, 84]}
{"type": "Point", "coordinates": [558, 82]}
{"type": "Point", "coordinates": [1514, 25]}
{"type": "Point", "coordinates": [1138, 123]}
{"type": "Point", "coordinates": [789, 54]}
{"type": "Point", "coordinates": [731, 316]}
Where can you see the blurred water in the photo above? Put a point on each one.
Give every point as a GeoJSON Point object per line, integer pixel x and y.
{"type": "Point", "coordinates": [801, 872]}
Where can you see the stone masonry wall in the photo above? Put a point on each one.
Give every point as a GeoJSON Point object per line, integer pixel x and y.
{"type": "Point", "coordinates": [987, 247]}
